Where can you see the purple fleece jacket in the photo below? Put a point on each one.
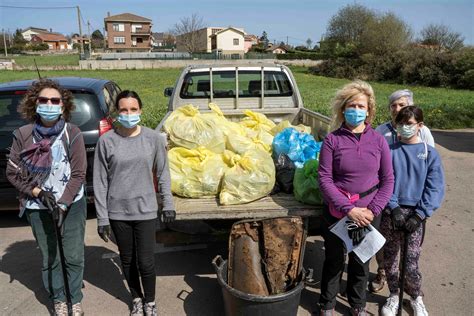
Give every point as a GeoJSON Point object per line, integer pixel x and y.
{"type": "Point", "coordinates": [355, 166]}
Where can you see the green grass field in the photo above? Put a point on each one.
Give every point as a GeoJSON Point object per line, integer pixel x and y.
{"type": "Point", "coordinates": [443, 108]}
{"type": "Point", "coordinates": [47, 60]}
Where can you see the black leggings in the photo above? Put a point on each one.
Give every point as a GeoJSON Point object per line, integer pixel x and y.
{"type": "Point", "coordinates": [136, 243]}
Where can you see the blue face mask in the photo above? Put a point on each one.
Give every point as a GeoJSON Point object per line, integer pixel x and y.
{"type": "Point", "coordinates": [355, 117]}
{"type": "Point", "coordinates": [49, 113]}
{"type": "Point", "coordinates": [129, 120]}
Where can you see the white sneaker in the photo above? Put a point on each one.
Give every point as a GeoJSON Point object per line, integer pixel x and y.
{"type": "Point", "coordinates": [137, 307]}
{"type": "Point", "coordinates": [391, 306]}
{"type": "Point", "coordinates": [418, 306]}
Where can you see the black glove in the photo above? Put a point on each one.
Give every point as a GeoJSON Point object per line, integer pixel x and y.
{"type": "Point", "coordinates": [48, 199]}
{"type": "Point", "coordinates": [104, 232]}
{"type": "Point", "coordinates": [413, 223]}
{"type": "Point", "coordinates": [398, 219]}
{"type": "Point", "coordinates": [357, 233]}
{"type": "Point", "coordinates": [167, 216]}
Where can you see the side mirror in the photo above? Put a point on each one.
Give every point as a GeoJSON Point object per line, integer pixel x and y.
{"type": "Point", "coordinates": [168, 92]}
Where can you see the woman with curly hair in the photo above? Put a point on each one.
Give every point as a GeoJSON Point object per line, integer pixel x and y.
{"type": "Point", "coordinates": [356, 180]}
{"type": "Point", "coordinates": [47, 165]}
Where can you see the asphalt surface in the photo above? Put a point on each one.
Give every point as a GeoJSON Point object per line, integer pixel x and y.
{"type": "Point", "coordinates": [186, 281]}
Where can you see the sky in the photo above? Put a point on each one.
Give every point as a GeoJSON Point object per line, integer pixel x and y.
{"type": "Point", "coordinates": [292, 20]}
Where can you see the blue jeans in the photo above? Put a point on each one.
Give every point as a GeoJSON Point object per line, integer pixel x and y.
{"type": "Point", "coordinates": [73, 242]}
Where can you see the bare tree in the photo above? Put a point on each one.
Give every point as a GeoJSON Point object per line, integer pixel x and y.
{"type": "Point", "coordinates": [186, 32]}
{"type": "Point", "coordinates": [309, 43]}
{"type": "Point", "coordinates": [442, 36]}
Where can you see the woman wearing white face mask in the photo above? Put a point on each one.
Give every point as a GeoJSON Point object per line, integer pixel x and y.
{"type": "Point", "coordinates": [47, 165]}
{"type": "Point", "coordinates": [125, 161]}
{"type": "Point", "coordinates": [418, 192]}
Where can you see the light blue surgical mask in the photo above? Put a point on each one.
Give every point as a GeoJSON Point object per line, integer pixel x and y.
{"type": "Point", "coordinates": [48, 112]}
{"type": "Point", "coordinates": [355, 117]}
{"type": "Point", "coordinates": [129, 120]}
{"type": "Point", "coordinates": [406, 131]}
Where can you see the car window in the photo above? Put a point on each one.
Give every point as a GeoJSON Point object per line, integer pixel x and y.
{"type": "Point", "coordinates": [86, 114]}
{"type": "Point", "coordinates": [197, 85]}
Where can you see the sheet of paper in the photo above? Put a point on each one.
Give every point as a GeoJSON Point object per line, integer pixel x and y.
{"type": "Point", "coordinates": [369, 246]}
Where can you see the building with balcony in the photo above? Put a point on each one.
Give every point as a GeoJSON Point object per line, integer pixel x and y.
{"type": "Point", "coordinates": [128, 32]}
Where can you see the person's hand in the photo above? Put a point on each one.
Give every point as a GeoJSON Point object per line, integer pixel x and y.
{"type": "Point", "coordinates": [167, 216]}
{"type": "Point", "coordinates": [413, 223]}
{"type": "Point", "coordinates": [360, 216]}
{"type": "Point", "coordinates": [398, 219]}
{"type": "Point", "coordinates": [48, 199]}
{"type": "Point", "coordinates": [104, 232]}
{"type": "Point", "coordinates": [369, 214]}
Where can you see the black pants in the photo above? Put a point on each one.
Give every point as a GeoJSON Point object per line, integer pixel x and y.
{"type": "Point", "coordinates": [136, 242]}
{"type": "Point", "coordinates": [333, 267]}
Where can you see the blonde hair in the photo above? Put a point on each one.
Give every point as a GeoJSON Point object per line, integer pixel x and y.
{"type": "Point", "coordinates": [347, 94]}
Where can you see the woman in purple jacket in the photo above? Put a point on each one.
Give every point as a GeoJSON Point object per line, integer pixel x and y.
{"type": "Point", "coordinates": [354, 159]}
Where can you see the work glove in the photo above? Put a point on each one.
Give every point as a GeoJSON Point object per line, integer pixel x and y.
{"type": "Point", "coordinates": [357, 233]}
{"type": "Point", "coordinates": [104, 232]}
{"type": "Point", "coordinates": [398, 219]}
{"type": "Point", "coordinates": [167, 216]}
{"type": "Point", "coordinates": [48, 200]}
{"type": "Point", "coordinates": [413, 223]}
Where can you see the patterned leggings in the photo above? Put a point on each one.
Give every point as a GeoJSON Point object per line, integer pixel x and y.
{"type": "Point", "coordinates": [394, 245]}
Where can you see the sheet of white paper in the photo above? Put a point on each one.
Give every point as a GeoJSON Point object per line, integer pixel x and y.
{"type": "Point", "coordinates": [369, 246]}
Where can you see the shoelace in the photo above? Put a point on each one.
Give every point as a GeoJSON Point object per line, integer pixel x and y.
{"type": "Point", "coordinates": [392, 301]}
{"type": "Point", "coordinates": [137, 307]}
{"type": "Point", "coordinates": [76, 308]}
{"type": "Point", "coordinates": [419, 306]}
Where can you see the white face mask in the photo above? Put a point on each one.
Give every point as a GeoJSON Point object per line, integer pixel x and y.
{"type": "Point", "coordinates": [407, 131]}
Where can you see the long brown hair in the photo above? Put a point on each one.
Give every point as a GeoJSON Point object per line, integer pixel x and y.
{"type": "Point", "coordinates": [27, 107]}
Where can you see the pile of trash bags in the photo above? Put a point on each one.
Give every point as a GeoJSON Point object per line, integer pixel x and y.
{"type": "Point", "coordinates": [239, 162]}
{"type": "Point", "coordinates": [212, 156]}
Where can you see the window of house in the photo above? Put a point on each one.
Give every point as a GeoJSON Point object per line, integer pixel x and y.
{"type": "Point", "coordinates": [139, 40]}
{"type": "Point", "coordinates": [136, 28]}
{"type": "Point", "coordinates": [119, 40]}
{"type": "Point", "coordinates": [236, 42]}
{"type": "Point", "coordinates": [118, 27]}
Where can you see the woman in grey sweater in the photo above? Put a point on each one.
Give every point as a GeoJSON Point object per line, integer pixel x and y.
{"type": "Point", "coordinates": [125, 162]}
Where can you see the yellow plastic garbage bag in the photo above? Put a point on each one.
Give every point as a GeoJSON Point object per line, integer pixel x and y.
{"type": "Point", "coordinates": [217, 116]}
{"type": "Point", "coordinates": [190, 129]}
{"type": "Point", "coordinates": [285, 124]}
{"type": "Point", "coordinates": [195, 173]}
{"type": "Point", "coordinates": [240, 144]}
{"type": "Point", "coordinates": [250, 177]}
{"type": "Point", "coordinates": [257, 125]}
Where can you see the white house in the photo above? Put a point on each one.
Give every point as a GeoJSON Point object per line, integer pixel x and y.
{"type": "Point", "coordinates": [226, 41]}
{"type": "Point", "coordinates": [30, 31]}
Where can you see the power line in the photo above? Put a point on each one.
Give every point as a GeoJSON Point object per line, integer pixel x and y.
{"type": "Point", "coordinates": [37, 8]}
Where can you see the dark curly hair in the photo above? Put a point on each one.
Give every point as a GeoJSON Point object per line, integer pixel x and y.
{"type": "Point", "coordinates": [27, 107]}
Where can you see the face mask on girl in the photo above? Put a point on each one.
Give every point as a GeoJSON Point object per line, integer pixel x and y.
{"type": "Point", "coordinates": [129, 120]}
{"type": "Point", "coordinates": [407, 131]}
{"type": "Point", "coordinates": [355, 117]}
{"type": "Point", "coordinates": [48, 112]}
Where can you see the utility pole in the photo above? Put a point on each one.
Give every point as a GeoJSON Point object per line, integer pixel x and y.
{"type": "Point", "coordinates": [80, 29]}
{"type": "Point", "coordinates": [4, 42]}
{"type": "Point", "coordinates": [90, 38]}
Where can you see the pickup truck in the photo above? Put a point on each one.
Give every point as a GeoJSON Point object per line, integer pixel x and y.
{"type": "Point", "coordinates": [270, 89]}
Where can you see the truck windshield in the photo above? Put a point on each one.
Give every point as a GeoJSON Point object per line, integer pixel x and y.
{"type": "Point", "coordinates": [197, 85]}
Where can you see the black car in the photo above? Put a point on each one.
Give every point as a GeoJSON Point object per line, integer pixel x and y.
{"type": "Point", "coordinates": [92, 97]}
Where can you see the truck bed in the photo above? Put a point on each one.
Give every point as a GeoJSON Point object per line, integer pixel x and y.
{"type": "Point", "coordinates": [280, 204]}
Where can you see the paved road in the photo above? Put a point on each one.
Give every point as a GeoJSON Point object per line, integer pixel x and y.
{"type": "Point", "coordinates": [186, 282]}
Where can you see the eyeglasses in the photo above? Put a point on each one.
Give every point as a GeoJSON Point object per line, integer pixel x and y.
{"type": "Point", "coordinates": [55, 101]}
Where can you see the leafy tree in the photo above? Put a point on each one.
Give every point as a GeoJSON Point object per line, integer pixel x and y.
{"type": "Point", "coordinates": [349, 24]}
{"type": "Point", "coordinates": [264, 39]}
{"type": "Point", "coordinates": [97, 39]}
{"type": "Point", "coordinates": [186, 32]}
{"type": "Point", "coordinates": [97, 34]}
{"type": "Point", "coordinates": [442, 36]}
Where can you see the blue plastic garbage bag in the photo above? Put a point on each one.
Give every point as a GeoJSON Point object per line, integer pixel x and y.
{"type": "Point", "coordinates": [298, 146]}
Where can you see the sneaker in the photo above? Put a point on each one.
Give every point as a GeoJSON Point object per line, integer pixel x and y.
{"type": "Point", "coordinates": [150, 309]}
{"type": "Point", "coordinates": [77, 309]}
{"type": "Point", "coordinates": [391, 306]}
{"type": "Point", "coordinates": [358, 311]}
{"type": "Point", "coordinates": [418, 306]}
{"type": "Point", "coordinates": [379, 282]}
{"type": "Point", "coordinates": [60, 309]}
{"type": "Point", "coordinates": [137, 307]}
